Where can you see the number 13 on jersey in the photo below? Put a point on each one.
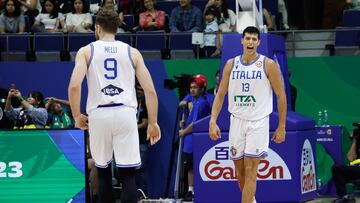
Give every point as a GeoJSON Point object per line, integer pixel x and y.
{"type": "Point", "coordinates": [245, 87]}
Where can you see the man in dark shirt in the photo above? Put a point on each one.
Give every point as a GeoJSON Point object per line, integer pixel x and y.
{"type": "Point", "coordinates": [186, 18]}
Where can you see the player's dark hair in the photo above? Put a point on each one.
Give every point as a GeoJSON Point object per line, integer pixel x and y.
{"type": "Point", "coordinates": [251, 30]}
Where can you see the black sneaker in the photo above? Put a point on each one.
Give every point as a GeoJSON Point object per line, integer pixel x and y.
{"type": "Point", "coordinates": [345, 199]}
{"type": "Point", "coordinates": [141, 194]}
{"type": "Point", "coordinates": [189, 196]}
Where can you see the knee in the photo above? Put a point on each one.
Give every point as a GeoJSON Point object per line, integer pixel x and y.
{"type": "Point", "coordinates": [250, 173]}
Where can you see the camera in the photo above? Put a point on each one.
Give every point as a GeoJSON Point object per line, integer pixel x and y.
{"type": "Point", "coordinates": [182, 82]}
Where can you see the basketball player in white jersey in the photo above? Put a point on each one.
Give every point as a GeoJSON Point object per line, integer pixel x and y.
{"type": "Point", "coordinates": [110, 67]}
{"type": "Point", "coordinates": [249, 80]}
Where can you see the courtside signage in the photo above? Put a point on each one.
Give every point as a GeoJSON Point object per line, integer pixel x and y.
{"type": "Point", "coordinates": [216, 165]}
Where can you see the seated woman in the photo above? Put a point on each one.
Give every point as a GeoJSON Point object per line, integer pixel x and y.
{"type": "Point", "coordinates": [49, 20]}
{"type": "Point", "coordinates": [110, 4]}
{"type": "Point", "coordinates": [12, 21]}
{"type": "Point", "coordinates": [31, 113]}
{"type": "Point", "coordinates": [151, 19]}
{"type": "Point", "coordinates": [80, 19]}
{"type": "Point", "coordinates": [30, 8]}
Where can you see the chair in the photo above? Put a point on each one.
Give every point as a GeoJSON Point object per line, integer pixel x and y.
{"type": "Point", "coordinates": [78, 40]}
{"type": "Point", "coordinates": [48, 46]}
{"type": "Point", "coordinates": [150, 43]}
{"type": "Point", "coordinates": [347, 38]}
{"type": "Point", "coordinates": [126, 38]}
{"type": "Point", "coordinates": [180, 45]}
{"type": "Point", "coordinates": [14, 46]}
{"type": "Point", "coordinates": [351, 18]}
{"type": "Point", "coordinates": [27, 23]}
{"type": "Point", "coordinates": [129, 20]}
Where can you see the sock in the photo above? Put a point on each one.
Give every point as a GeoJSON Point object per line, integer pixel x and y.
{"type": "Point", "coordinates": [191, 189]}
{"type": "Point", "coordinates": [129, 192]}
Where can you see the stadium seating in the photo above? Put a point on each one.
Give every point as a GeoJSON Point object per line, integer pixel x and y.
{"type": "Point", "coordinates": [48, 46]}
{"type": "Point", "coordinates": [13, 47]}
{"type": "Point", "coordinates": [180, 46]}
{"type": "Point", "coordinates": [150, 43]}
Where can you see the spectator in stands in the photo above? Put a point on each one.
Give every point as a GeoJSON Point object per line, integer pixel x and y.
{"type": "Point", "coordinates": [2, 5]}
{"type": "Point", "coordinates": [210, 29]}
{"type": "Point", "coordinates": [12, 21]}
{"type": "Point", "coordinates": [186, 18]}
{"type": "Point", "coordinates": [65, 6]}
{"type": "Point", "coordinates": [79, 20]}
{"type": "Point", "coordinates": [343, 174]}
{"type": "Point", "coordinates": [30, 8]}
{"type": "Point", "coordinates": [227, 18]}
{"type": "Point", "coordinates": [59, 117]}
{"type": "Point", "coordinates": [268, 19]}
{"type": "Point", "coordinates": [132, 7]}
{"type": "Point", "coordinates": [142, 122]}
{"type": "Point", "coordinates": [31, 114]}
{"type": "Point", "coordinates": [49, 20]}
{"type": "Point", "coordinates": [110, 4]}
{"type": "Point", "coordinates": [151, 19]}
{"type": "Point", "coordinates": [284, 14]}
{"type": "Point", "coordinates": [217, 83]}
{"type": "Point", "coordinates": [199, 108]}
{"type": "Point", "coordinates": [226, 21]}
{"type": "Point", "coordinates": [355, 4]}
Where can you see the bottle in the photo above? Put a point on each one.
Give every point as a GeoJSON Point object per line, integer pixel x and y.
{"type": "Point", "coordinates": [325, 118]}
{"type": "Point", "coordinates": [319, 186]}
{"type": "Point", "coordinates": [319, 121]}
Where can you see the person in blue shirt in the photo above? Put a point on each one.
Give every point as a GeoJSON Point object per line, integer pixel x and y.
{"type": "Point", "coordinates": [186, 18]}
{"type": "Point", "coordinates": [198, 108]}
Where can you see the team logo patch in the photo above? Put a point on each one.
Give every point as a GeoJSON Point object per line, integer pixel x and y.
{"type": "Point", "coordinates": [258, 64]}
{"type": "Point", "coordinates": [233, 151]}
{"type": "Point", "coordinates": [329, 131]}
{"type": "Point", "coordinates": [111, 90]}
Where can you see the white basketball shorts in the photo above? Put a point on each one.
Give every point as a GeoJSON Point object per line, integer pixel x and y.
{"type": "Point", "coordinates": [113, 131]}
{"type": "Point", "coordinates": [248, 138]}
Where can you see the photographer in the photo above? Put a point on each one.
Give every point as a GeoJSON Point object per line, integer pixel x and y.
{"type": "Point", "coordinates": [58, 116]}
{"type": "Point", "coordinates": [343, 174]}
{"type": "Point", "coordinates": [31, 114]}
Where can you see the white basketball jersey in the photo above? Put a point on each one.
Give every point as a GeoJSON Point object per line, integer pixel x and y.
{"type": "Point", "coordinates": [111, 75]}
{"type": "Point", "coordinates": [250, 93]}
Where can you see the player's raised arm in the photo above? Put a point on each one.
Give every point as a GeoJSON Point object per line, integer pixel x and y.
{"type": "Point", "coordinates": [146, 83]}
{"type": "Point", "coordinates": [214, 130]}
{"type": "Point", "coordinates": [74, 90]}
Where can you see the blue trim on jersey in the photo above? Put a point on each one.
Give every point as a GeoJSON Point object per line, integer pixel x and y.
{"type": "Point", "coordinates": [241, 61]}
{"type": "Point", "coordinates": [264, 68]}
{"type": "Point", "coordinates": [129, 54]}
{"type": "Point", "coordinates": [91, 54]}
{"type": "Point", "coordinates": [237, 158]}
{"type": "Point", "coordinates": [262, 154]}
{"type": "Point", "coordinates": [110, 105]}
{"type": "Point", "coordinates": [137, 165]}
{"type": "Point", "coordinates": [103, 166]}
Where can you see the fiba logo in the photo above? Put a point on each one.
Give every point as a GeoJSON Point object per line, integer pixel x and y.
{"type": "Point", "coordinates": [216, 165]}
{"type": "Point", "coordinates": [308, 176]}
